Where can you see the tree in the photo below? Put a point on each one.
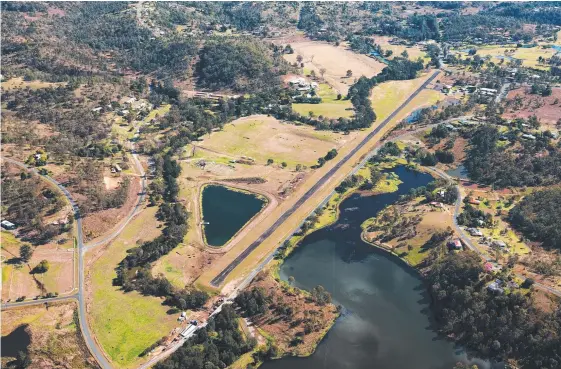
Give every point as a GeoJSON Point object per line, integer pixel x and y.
{"type": "Point", "coordinates": [22, 360]}
{"type": "Point", "coordinates": [349, 73]}
{"type": "Point", "coordinates": [291, 280]}
{"type": "Point", "coordinates": [375, 176]}
{"type": "Point", "coordinates": [405, 54]}
{"type": "Point", "coordinates": [42, 267]}
{"type": "Point", "coordinates": [270, 161]}
{"type": "Point", "coordinates": [283, 164]}
{"type": "Point", "coordinates": [298, 167]}
{"type": "Point", "coordinates": [25, 252]}
{"type": "Point", "coordinates": [299, 58]}
{"type": "Point", "coordinates": [322, 71]}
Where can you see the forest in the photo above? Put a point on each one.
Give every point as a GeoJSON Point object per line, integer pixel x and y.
{"type": "Point", "coordinates": [491, 326]}
{"type": "Point", "coordinates": [538, 217]}
{"type": "Point", "coordinates": [239, 65]}
{"type": "Point", "coordinates": [489, 163]}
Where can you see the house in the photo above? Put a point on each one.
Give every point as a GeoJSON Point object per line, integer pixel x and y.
{"type": "Point", "coordinates": [474, 201]}
{"type": "Point", "coordinates": [116, 168]}
{"type": "Point", "coordinates": [455, 244]}
{"type": "Point", "coordinates": [495, 287]}
{"type": "Point", "coordinates": [97, 110]}
{"type": "Point", "coordinates": [6, 224]}
{"type": "Point", "coordinates": [498, 243]}
{"type": "Point", "coordinates": [528, 136]}
{"type": "Point", "coordinates": [474, 232]}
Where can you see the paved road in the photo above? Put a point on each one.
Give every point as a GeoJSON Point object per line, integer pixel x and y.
{"type": "Point", "coordinates": [12, 305]}
{"type": "Point", "coordinates": [219, 279]}
{"type": "Point", "coordinates": [81, 251]}
{"type": "Point", "coordinates": [141, 196]}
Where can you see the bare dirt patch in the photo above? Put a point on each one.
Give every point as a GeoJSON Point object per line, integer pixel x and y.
{"type": "Point", "coordinates": [98, 223]}
{"type": "Point", "coordinates": [521, 104]}
{"type": "Point", "coordinates": [336, 60]}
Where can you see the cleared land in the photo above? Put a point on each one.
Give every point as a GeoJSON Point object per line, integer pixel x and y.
{"type": "Point", "coordinates": [55, 339]}
{"type": "Point", "coordinates": [386, 96]}
{"type": "Point", "coordinates": [522, 104]}
{"type": "Point", "coordinates": [125, 324]}
{"type": "Point", "coordinates": [329, 107]}
{"type": "Point", "coordinates": [529, 55]}
{"type": "Point", "coordinates": [414, 52]}
{"type": "Point", "coordinates": [17, 280]}
{"type": "Point", "coordinates": [261, 138]}
{"type": "Point", "coordinates": [291, 223]}
{"type": "Point", "coordinates": [18, 82]}
{"type": "Point", "coordinates": [336, 60]}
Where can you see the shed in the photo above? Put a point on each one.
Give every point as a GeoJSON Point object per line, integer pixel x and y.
{"type": "Point", "coordinates": [6, 224]}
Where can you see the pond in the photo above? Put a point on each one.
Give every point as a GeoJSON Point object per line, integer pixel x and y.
{"type": "Point", "coordinates": [385, 322]}
{"type": "Point", "coordinates": [225, 211]}
{"type": "Point", "coordinates": [17, 341]}
{"type": "Point", "coordinates": [459, 172]}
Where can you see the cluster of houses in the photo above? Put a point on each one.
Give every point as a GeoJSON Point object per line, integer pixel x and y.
{"type": "Point", "coordinates": [304, 89]}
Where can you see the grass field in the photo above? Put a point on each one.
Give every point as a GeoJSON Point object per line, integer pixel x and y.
{"type": "Point", "coordinates": [329, 107]}
{"type": "Point", "coordinates": [55, 338]}
{"type": "Point", "coordinates": [386, 96]}
{"type": "Point", "coordinates": [16, 278]}
{"type": "Point", "coordinates": [529, 56]}
{"type": "Point", "coordinates": [262, 138]}
{"type": "Point", "coordinates": [292, 223]}
{"type": "Point", "coordinates": [413, 52]}
{"type": "Point", "coordinates": [336, 60]}
{"type": "Point", "coordinates": [125, 324]}
{"type": "Point", "coordinates": [18, 82]}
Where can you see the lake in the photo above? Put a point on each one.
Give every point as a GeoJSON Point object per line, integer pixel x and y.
{"type": "Point", "coordinates": [226, 211]}
{"type": "Point", "coordinates": [386, 322]}
{"type": "Point", "coordinates": [15, 342]}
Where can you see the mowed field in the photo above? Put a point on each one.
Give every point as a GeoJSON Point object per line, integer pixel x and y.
{"type": "Point", "coordinates": [17, 281]}
{"type": "Point", "coordinates": [329, 107]}
{"type": "Point", "coordinates": [387, 96]}
{"type": "Point", "coordinates": [261, 138]}
{"type": "Point", "coordinates": [55, 338]}
{"type": "Point", "coordinates": [291, 223]}
{"type": "Point", "coordinates": [125, 324]}
{"type": "Point", "coordinates": [336, 60]}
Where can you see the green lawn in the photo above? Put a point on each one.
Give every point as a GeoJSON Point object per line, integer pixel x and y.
{"type": "Point", "coordinates": [329, 107]}
{"type": "Point", "coordinates": [126, 324]}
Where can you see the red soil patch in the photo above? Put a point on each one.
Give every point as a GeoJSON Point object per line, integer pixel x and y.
{"type": "Point", "coordinates": [522, 104]}
{"type": "Point", "coordinates": [56, 11]}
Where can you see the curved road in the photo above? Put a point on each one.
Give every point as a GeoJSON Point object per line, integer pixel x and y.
{"type": "Point", "coordinates": [98, 355]}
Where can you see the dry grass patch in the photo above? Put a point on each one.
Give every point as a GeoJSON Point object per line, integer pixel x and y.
{"type": "Point", "coordinates": [56, 341]}
{"type": "Point", "coordinates": [18, 82]}
{"type": "Point", "coordinates": [261, 138]}
{"type": "Point", "coordinates": [336, 60]}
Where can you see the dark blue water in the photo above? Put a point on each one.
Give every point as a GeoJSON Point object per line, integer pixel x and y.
{"type": "Point", "coordinates": [385, 324]}
{"type": "Point", "coordinates": [226, 212]}
{"type": "Point", "coordinates": [460, 172]}
{"type": "Point", "coordinates": [15, 342]}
